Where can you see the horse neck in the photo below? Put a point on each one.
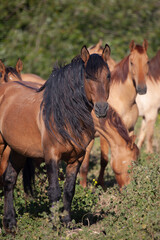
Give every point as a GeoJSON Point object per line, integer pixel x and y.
{"type": "Point", "coordinates": [115, 140]}
{"type": "Point", "coordinates": [122, 92]}
{"type": "Point", "coordinates": [154, 70]}
{"type": "Point", "coordinates": [121, 77]}
{"type": "Point", "coordinates": [29, 77]}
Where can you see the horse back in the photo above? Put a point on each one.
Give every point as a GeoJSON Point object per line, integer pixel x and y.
{"type": "Point", "coordinates": [20, 118]}
{"type": "Point", "coordinates": [29, 77]}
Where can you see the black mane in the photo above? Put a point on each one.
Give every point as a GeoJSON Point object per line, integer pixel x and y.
{"type": "Point", "coordinates": [13, 71]}
{"type": "Point", "coordinates": [65, 106]}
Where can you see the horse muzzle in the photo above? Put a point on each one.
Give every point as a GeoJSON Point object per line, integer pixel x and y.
{"type": "Point", "coordinates": [141, 90]}
{"type": "Point", "coordinates": [101, 109]}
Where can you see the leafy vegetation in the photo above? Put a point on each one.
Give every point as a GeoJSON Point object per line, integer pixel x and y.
{"type": "Point", "coordinates": [45, 31]}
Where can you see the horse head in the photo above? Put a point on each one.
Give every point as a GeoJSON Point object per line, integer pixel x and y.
{"type": "Point", "coordinates": [10, 74]}
{"type": "Point", "coordinates": [138, 65]}
{"type": "Point", "coordinates": [97, 79]}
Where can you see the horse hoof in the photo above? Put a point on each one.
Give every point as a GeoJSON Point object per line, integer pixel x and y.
{"type": "Point", "coordinates": [10, 225]}
{"type": "Point", "coordinates": [66, 220]}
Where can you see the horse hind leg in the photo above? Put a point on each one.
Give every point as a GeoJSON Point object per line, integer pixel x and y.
{"type": "Point", "coordinates": [142, 133]}
{"type": "Point", "coordinates": [149, 135]}
{"type": "Point", "coordinates": [104, 160]}
{"type": "Point", "coordinates": [85, 165]}
{"type": "Point", "coordinates": [4, 156]}
{"type": "Point", "coordinates": [9, 181]}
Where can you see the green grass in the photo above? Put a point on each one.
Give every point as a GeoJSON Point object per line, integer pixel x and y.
{"type": "Point", "coordinates": [97, 214]}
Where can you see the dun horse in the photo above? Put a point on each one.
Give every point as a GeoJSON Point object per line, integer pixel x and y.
{"type": "Point", "coordinates": [149, 104]}
{"type": "Point", "coordinates": [54, 123]}
{"type": "Point", "coordinates": [128, 78]}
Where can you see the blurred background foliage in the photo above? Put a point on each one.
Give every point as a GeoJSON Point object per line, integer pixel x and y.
{"type": "Point", "coordinates": [42, 32]}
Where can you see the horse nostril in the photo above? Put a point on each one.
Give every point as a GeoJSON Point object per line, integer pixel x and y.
{"type": "Point", "coordinates": [141, 90]}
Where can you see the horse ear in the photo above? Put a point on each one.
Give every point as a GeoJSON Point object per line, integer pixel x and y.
{"type": "Point", "coordinates": [132, 45]}
{"type": "Point", "coordinates": [145, 44]}
{"type": "Point", "coordinates": [106, 53]}
{"type": "Point", "coordinates": [19, 65]}
{"type": "Point", "coordinates": [133, 139]}
{"type": "Point", "coordinates": [99, 44]}
{"type": "Point", "coordinates": [2, 71]}
{"type": "Point", "coordinates": [85, 54]}
{"type": "Point", "coordinates": [2, 67]}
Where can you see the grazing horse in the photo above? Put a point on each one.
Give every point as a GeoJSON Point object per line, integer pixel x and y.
{"type": "Point", "coordinates": [128, 78]}
{"type": "Point", "coordinates": [54, 122]}
{"type": "Point", "coordinates": [98, 49]}
{"type": "Point", "coordinates": [149, 104]}
{"type": "Point", "coordinates": [9, 74]}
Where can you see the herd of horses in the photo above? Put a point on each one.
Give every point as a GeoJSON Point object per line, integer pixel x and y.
{"type": "Point", "coordinates": [58, 119]}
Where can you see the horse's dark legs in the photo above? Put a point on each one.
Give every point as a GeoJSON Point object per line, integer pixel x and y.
{"type": "Point", "coordinates": [9, 220]}
{"type": "Point", "coordinates": [69, 188]}
{"type": "Point", "coordinates": [9, 181]}
{"type": "Point", "coordinates": [54, 192]}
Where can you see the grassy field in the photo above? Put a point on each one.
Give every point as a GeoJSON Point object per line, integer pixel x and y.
{"type": "Point", "coordinates": [97, 214]}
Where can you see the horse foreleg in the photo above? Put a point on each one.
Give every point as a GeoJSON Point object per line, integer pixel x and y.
{"type": "Point", "coordinates": [3, 160]}
{"type": "Point", "coordinates": [104, 159]}
{"type": "Point", "coordinates": [85, 165]}
{"type": "Point", "coordinates": [142, 133]}
{"type": "Point", "coordinates": [149, 135]}
{"type": "Point", "coordinates": [54, 192]}
{"type": "Point", "coordinates": [69, 188]}
{"type": "Point", "coordinates": [9, 180]}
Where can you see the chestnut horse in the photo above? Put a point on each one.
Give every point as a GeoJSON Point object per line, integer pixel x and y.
{"type": "Point", "coordinates": [10, 74]}
{"type": "Point", "coordinates": [149, 104]}
{"type": "Point", "coordinates": [54, 122]}
{"type": "Point", "coordinates": [127, 79]}
{"type": "Point", "coordinates": [98, 49]}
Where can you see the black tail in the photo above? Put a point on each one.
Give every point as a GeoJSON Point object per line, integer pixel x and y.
{"type": "Point", "coordinates": [28, 176]}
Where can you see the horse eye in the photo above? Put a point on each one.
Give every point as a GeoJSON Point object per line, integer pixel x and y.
{"type": "Point", "coordinates": [131, 63]}
{"type": "Point", "coordinates": [148, 62]}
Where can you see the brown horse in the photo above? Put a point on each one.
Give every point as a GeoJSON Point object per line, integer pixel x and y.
{"type": "Point", "coordinates": [98, 49]}
{"type": "Point", "coordinates": [10, 74]}
{"type": "Point", "coordinates": [54, 122]}
{"type": "Point", "coordinates": [127, 79]}
{"type": "Point", "coordinates": [149, 104]}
